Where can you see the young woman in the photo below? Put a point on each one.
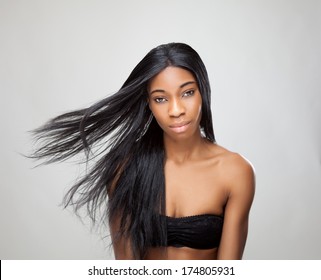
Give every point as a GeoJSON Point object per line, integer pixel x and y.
{"type": "Point", "coordinates": [170, 191]}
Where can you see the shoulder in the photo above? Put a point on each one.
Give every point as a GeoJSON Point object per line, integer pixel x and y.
{"type": "Point", "coordinates": [238, 180]}
{"type": "Point", "coordinates": [238, 172]}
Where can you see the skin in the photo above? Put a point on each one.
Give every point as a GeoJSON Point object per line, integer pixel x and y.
{"type": "Point", "coordinates": [200, 177]}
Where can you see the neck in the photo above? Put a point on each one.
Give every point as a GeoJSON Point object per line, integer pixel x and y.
{"type": "Point", "coordinates": [182, 150]}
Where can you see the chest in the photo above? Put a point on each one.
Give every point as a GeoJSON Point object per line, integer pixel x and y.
{"type": "Point", "coordinates": [194, 188]}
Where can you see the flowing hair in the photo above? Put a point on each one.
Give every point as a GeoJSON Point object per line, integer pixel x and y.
{"type": "Point", "coordinates": [126, 179]}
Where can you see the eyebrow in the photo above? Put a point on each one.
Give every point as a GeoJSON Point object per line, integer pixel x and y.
{"type": "Point", "coordinates": [181, 86]}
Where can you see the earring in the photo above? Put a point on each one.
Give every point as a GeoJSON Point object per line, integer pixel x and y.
{"type": "Point", "coordinates": [202, 132]}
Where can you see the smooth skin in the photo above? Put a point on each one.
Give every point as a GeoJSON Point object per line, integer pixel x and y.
{"type": "Point", "coordinates": [200, 177]}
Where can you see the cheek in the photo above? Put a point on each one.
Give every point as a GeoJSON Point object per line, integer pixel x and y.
{"type": "Point", "coordinates": [199, 107]}
{"type": "Point", "coordinates": [198, 113]}
{"type": "Point", "coordinates": [158, 113]}
{"type": "Point", "coordinates": [195, 107]}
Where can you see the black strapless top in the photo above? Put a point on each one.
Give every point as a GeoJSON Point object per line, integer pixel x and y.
{"type": "Point", "coordinates": [198, 232]}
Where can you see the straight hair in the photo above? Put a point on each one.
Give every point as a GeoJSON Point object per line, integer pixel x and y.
{"type": "Point", "coordinates": [123, 143]}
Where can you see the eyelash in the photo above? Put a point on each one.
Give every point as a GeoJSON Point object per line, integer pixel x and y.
{"type": "Point", "coordinates": [185, 94]}
{"type": "Point", "coordinates": [189, 92]}
{"type": "Point", "coordinates": [157, 100]}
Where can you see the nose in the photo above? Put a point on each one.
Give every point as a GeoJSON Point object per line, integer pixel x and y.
{"type": "Point", "coordinates": [176, 108]}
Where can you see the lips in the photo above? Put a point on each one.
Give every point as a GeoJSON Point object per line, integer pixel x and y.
{"type": "Point", "coordinates": [179, 127]}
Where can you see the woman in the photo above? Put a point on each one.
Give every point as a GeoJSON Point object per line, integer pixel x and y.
{"type": "Point", "coordinates": [172, 192]}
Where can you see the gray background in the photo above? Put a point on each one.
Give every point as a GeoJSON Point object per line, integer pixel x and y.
{"type": "Point", "coordinates": [263, 58]}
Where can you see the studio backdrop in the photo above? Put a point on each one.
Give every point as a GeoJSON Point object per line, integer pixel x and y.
{"type": "Point", "coordinates": [264, 64]}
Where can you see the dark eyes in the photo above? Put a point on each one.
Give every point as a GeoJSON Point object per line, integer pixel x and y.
{"type": "Point", "coordinates": [189, 92]}
{"type": "Point", "coordinates": [159, 100]}
{"type": "Point", "coordinates": [185, 94]}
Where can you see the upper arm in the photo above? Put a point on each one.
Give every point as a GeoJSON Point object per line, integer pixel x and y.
{"type": "Point", "coordinates": [241, 187]}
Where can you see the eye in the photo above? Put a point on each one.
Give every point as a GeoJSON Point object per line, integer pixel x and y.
{"type": "Point", "coordinates": [160, 100]}
{"type": "Point", "coordinates": [188, 93]}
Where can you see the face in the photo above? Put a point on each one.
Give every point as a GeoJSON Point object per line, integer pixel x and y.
{"type": "Point", "coordinates": [175, 101]}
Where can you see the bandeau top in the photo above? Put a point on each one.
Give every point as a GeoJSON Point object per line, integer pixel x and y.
{"type": "Point", "coordinates": [197, 232]}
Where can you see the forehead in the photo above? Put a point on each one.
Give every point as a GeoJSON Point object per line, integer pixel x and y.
{"type": "Point", "coordinates": [171, 77]}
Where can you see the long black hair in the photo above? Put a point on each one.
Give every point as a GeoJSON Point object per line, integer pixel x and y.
{"type": "Point", "coordinates": [125, 144]}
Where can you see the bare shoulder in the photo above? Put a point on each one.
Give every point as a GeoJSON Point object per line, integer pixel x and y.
{"type": "Point", "coordinates": [238, 171]}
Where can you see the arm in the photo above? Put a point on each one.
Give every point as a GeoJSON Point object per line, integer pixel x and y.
{"type": "Point", "coordinates": [241, 187]}
{"type": "Point", "coordinates": [121, 245]}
